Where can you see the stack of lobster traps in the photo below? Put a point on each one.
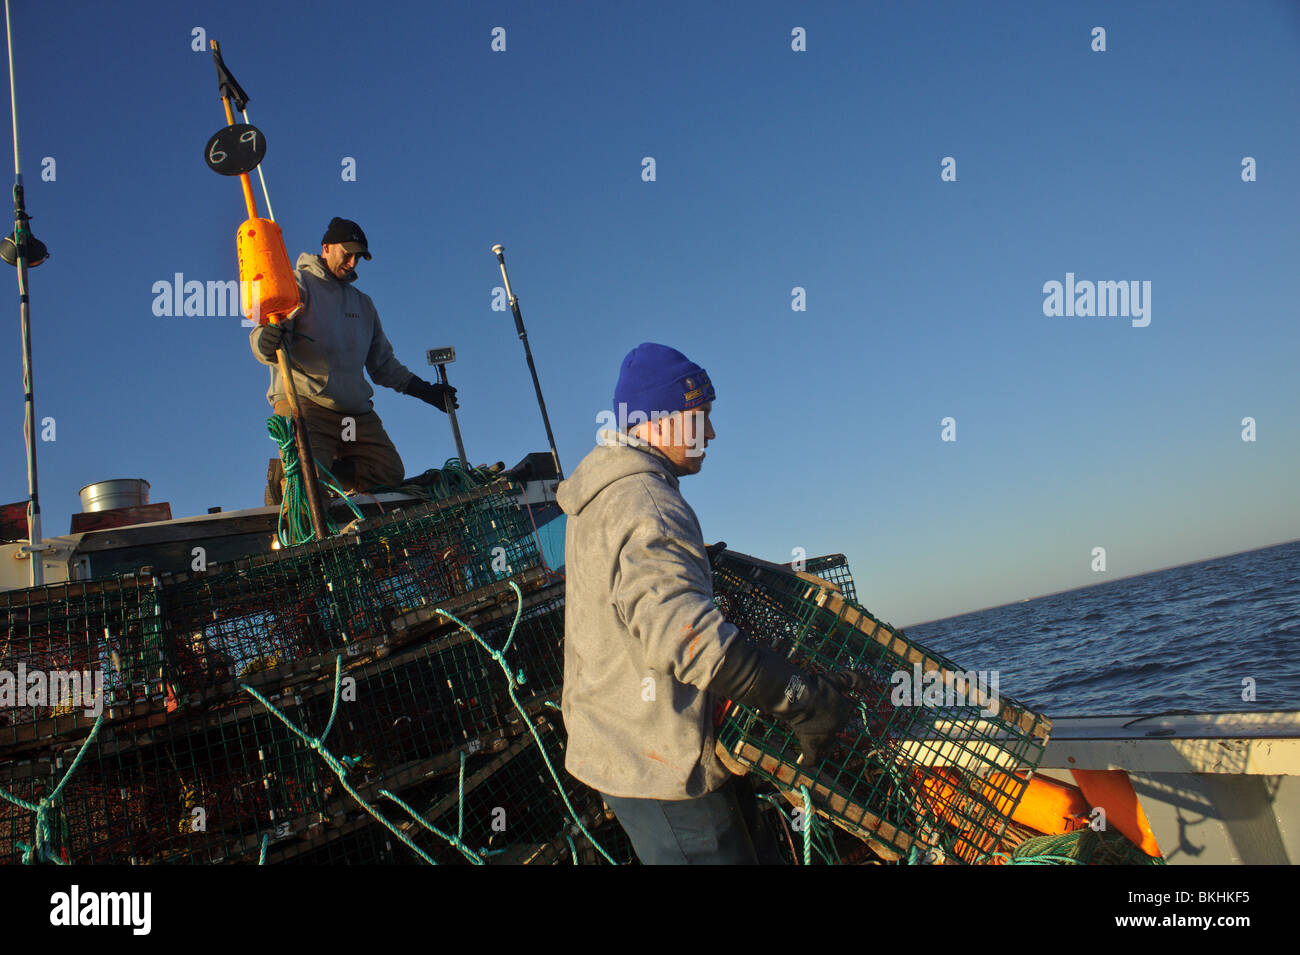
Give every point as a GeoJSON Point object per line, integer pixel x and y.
{"type": "Point", "coordinates": [321, 705]}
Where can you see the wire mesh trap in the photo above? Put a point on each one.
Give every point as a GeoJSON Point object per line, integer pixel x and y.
{"type": "Point", "coordinates": [936, 761]}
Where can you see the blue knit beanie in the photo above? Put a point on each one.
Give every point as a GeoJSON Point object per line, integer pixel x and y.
{"type": "Point", "coordinates": [658, 378]}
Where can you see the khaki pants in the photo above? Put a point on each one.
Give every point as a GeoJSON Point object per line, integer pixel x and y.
{"type": "Point", "coordinates": [366, 461]}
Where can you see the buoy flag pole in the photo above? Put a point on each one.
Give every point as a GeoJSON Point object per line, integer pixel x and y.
{"type": "Point", "coordinates": [264, 268]}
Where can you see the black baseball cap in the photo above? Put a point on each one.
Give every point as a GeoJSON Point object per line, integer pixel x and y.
{"type": "Point", "coordinates": [348, 234]}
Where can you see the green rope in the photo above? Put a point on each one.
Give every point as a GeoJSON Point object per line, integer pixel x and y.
{"type": "Point", "coordinates": [573, 850]}
{"type": "Point", "coordinates": [1081, 847]}
{"type": "Point", "coordinates": [294, 510]}
{"type": "Point", "coordinates": [41, 849]}
{"type": "Point", "coordinates": [455, 840]}
{"type": "Point", "coordinates": [511, 681]}
{"type": "Point", "coordinates": [809, 823]}
{"type": "Point", "coordinates": [317, 743]}
{"type": "Point", "coordinates": [261, 855]}
{"type": "Point", "coordinates": [437, 484]}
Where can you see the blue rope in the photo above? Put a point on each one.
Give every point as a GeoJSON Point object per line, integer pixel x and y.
{"type": "Point", "coordinates": [41, 849]}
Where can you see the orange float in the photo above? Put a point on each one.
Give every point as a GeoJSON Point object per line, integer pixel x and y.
{"type": "Point", "coordinates": [265, 275]}
{"type": "Point", "coordinates": [1112, 791]}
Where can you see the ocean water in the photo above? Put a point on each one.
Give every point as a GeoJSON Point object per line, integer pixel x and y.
{"type": "Point", "coordinates": [1184, 638]}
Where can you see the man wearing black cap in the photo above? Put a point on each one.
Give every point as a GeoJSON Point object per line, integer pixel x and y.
{"type": "Point", "coordinates": [336, 336]}
{"type": "Point", "coordinates": [647, 654]}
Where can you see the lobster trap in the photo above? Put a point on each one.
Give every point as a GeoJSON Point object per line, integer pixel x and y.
{"type": "Point", "coordinates": [69, 649]}
{"type": "Point", "coordinates": [182, 791]}
{"type": "Point", "coordinates": [937, 759]}
{"type": "Point", "coordinates": [832, 568]}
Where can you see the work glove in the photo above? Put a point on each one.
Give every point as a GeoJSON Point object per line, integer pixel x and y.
{"type": "Point", "coordinates": [814, 704]}
{"type": "Point", "coordinates": [435, 395]}
{"type": "Point", "coordinates": [268, 342]}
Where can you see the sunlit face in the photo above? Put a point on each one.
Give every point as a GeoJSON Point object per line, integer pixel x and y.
{"type": "Point", "coordinates": [683, 436]}
{"type": "Point", "coordinates": [338, 259]}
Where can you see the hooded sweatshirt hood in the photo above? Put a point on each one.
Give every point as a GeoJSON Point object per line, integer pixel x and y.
{"type": "Point", "coordinates": [313, 263]}
{"type": "Point", "coordinates": [616, 457]}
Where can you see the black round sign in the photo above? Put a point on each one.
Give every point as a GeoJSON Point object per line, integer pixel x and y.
{"type": "Point", "coordinates": [237, 149]}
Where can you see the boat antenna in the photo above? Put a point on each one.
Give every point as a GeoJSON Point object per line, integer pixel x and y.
{"type": "Point", "coordinates": [24, 250]}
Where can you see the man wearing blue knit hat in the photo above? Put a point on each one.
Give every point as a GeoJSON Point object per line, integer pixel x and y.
{"type": "Point", "coordinates": [646, 652]}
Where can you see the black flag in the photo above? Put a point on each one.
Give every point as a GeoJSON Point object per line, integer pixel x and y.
{"type": "Point", "coordinates": [228, 85]}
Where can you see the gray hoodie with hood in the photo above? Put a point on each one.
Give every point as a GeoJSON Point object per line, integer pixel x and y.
{"type": "Point", "coordinates": [642, 636]}
{"type": "Point", "coordinates": [341, 335]}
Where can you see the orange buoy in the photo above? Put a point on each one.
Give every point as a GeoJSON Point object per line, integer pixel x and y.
{"type": "Point", "coordinates": [1051, 807]}
{"type": "Point", "coordinates": [1112, 791]}
{"type": "Point", "coordinates": [267, 279]}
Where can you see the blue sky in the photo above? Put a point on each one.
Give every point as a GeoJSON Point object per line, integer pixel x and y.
{"type": "Point", "coordinates": [775, 169]}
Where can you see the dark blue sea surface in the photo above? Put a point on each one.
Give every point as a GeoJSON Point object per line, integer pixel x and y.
{"type": "Point", "coordinates": [1184, 638]}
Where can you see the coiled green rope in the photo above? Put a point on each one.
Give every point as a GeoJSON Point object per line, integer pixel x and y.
{"type": "Point", "coordinates": [294, 525]}
{"type": "Point", "coordinates": [294, 510]}
{"type": "Point", "coordinates": [438, 484]}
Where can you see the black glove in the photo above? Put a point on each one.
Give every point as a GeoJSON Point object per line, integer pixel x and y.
{"type": "Point", "coordinates": [813, 704]}
{"type": "Point", "coordinates": [435, 395]}
{"type": "Point", "coordinates": [268, 343]}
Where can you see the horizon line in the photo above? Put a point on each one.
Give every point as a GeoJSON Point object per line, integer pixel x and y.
{"type": "Point", "coordinates": [1100, 583]}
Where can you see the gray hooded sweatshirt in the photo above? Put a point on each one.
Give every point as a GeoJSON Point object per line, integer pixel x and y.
{"type": "Point", "coordinates": [345, 337]}
{"type": "Point", "coordinates": [642, 637]}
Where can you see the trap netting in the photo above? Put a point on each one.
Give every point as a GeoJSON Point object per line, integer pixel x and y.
{"type": "Point", "coordinates": [61, 645]}
{"type": "Point", "coordinates": [179, 791]}
{"type": "Point", "coordinates": [218, 682]}
{"type": "Point", "coordinates": [284, 612]}
{"type": "Point", "coordinates": [512, 805]}
{"type": "Point", "coordinates": [452, 722]}
{"type": "Point", "coordinates": [937, 760]}
{"type": "Point", "coordinates": [834, 569]}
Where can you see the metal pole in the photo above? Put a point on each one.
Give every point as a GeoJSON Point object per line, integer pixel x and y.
{"type": "Point", "coordinates": [455, 425]}
{"type": "Point", "coordinates": [500, 251]}
{"type": "Point", "coordinates": [21, 234]}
